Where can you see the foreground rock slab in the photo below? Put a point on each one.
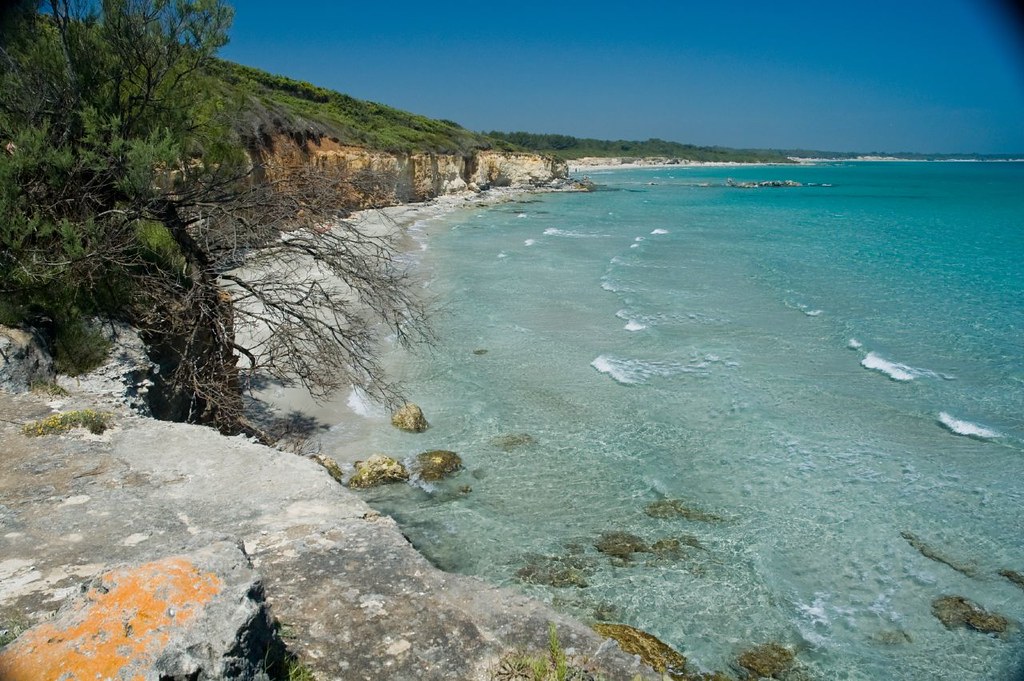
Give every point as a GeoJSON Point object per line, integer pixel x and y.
{"type": "Point", "coordinates": [177, 617]}
{"type": "Point", "coordinates": [354, 598]}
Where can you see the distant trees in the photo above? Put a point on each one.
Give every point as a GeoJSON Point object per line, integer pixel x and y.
{"type": "Point", "coordinates": [124, 193]}
{"type": "Point", "coordinates": [568, 147]}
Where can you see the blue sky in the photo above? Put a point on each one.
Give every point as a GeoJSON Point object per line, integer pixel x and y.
{"type": "Point", "coordinates": [916, 75]}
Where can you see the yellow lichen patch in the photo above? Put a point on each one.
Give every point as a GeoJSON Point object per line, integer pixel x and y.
{"type": "Point", "coordinates": [122, 626]}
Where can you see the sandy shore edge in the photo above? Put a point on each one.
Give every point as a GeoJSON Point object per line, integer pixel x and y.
{"type": "Point", "coordinates": [285, 402]}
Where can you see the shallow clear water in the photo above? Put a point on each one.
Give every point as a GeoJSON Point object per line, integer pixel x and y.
{"type": "Point", "coordinates": [822, 368]}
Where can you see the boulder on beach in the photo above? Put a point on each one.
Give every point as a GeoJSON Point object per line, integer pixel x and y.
{"type": "Point", "coordinates": [379, 469]}
{"type": "Point", "coordinates": [410, 418]}
{"type": "Point", "coordinates": [438, 464]}
{"type": "Point", "coordinates": [957, 611]}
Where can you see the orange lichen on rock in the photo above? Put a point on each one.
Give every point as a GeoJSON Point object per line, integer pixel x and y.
{"type": "Point", "coordinates": [118, 630]}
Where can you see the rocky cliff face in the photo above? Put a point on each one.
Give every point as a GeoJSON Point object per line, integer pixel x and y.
{"type": "Point", "coordinates": [398, 177]}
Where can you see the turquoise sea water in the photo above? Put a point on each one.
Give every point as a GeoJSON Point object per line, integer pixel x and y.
{"type": "Point", "coordinates": [823, 368]}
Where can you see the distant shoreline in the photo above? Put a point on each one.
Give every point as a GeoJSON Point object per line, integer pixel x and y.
{"type": "Point", "coordinates": [582, 165]}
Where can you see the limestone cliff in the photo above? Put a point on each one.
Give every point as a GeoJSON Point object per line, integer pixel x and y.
{"type": "Point", "coordinates": [402, 177]}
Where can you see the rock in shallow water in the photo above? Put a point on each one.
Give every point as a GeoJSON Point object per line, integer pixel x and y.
{"type": "Point", "coordinates": [377, 470]}
{"type": "Point", "coordinates": [767, 661]}
{"type": "Point", "coordinates": [652, 650]}
{"type": "Point", "coordinates": [438, 464]}
{"type": "Point", "coordinates": [410, 419]}
{"type": "Point", "coordinates": [957, 611]}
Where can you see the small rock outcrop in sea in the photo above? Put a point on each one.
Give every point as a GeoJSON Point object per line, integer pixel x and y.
{"type": "Point", "coordinates": [438, 464]}
{"type": "Point", "coordinates": [377, 470]}
{"type": "Point", "coordinates": [677, 508]}
{"type": "Point", "coordinates": [766, 661]}
{"type": "Point", "coordinates": [512, 441]}
{"type": "Point", "coordinates": [766, 183]}
{"type": "Point", "coordinates": [659, 655]}
{"type": "Point", "coordinates": [930, 553]}
{"type": "Point", "coordinates": [410, 418]}
{"type": "Point", "coordinates": [957, 611]}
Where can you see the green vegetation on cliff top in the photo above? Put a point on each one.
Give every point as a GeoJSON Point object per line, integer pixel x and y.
{"type": "Point", "coordinates": [270, 104]}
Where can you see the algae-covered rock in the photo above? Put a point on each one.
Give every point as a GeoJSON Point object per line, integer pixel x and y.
{"type": "Point", "coordinates": [768, 660]}
{"type": "Point", "coordinates": [1015, 577]}
{"type": "Point", "coordinates": [957, 611]}
{"type": "Point", "coordinates": [513, 441]}
{"type": "Point", "coordinates": [620, 545]}
{"type": "Point", "coordinates": [438, 464]}
{"type": "Point", "coordinates": [652, 650]}
{"type": "Point", "coordinates": [410, 418]}
{"type": "Point", "coordinates": [330, 465]}
{"type": "Point", "coordinates": [377, 470]}
{"type": "Point", "coordinates": [677, 508]}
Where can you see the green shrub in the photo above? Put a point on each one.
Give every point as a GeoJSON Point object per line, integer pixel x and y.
{"type": "Point", "coordinates": [79, 347]}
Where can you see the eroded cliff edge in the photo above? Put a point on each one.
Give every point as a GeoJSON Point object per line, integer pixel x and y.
{"type": "Point", "coordinates": [406, 177]}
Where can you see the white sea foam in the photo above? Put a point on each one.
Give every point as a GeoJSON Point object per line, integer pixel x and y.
{"type": "Point", "coordinates": [640, 238]}
{"type": "Point", "coordinates": [955, 425]}
{"type": "Point", "coordinates": [554, 231]}
{"type": "Point", "coordinates": [529, 242]}
{"type": "Point", "coordinates": [521, 216]}
{"type": "Point", "coordinates": [632, 371]}
{"type": "Point", "coordinates": [854, 344]}
{"type": "Point", "coordinates": [634, 245]}
{"type": "Point", "coordinates": [660, 231]}
{"type": "Point", "coordinates": [503, 254]}
{"type": "Point", "coordinates": [894, 370]}
{"type": "Point", "coordinates": [633, 325]}
{"type": "Point", "coordinates": [812, 313]}
{"type": "Point", "coordinates": [361, 404]}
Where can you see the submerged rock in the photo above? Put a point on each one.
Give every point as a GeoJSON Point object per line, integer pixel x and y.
{"type": "Point", "coordinates": [513, 441]}
{"type": "Point", "coordinates": [377, 470]}
{"type": "Point", "coordinates": [957, 611]}
{"type": "Point", "coordinates": [557, 571]}
{"type": "Point", "coordinates": [677, 508]}
{"type": "Point", "coordinates": [1015, 577]}
{"type": "Point", "coordinates": [930, 553]}
{"type": "Point", "coordinates": [410, 419]}
{"type": "Point", "coordinates": [659, 655]}
{"type": "Point", "coordinates": [768, 660]}
{"type": "Point", "coordinates": [621, 545]}
{"type": "Point", "coordinates": [438, 464]}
